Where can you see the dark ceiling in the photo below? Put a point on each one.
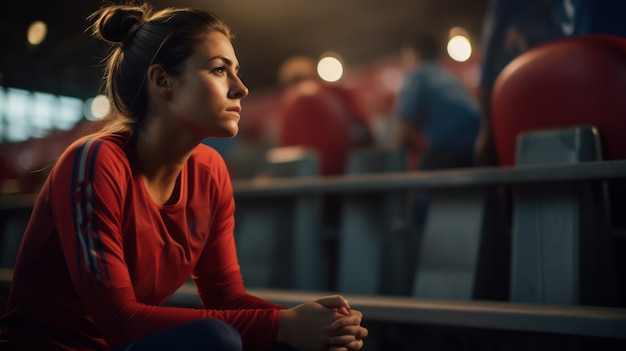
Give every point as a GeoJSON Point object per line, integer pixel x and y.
{"type": "Point", "coordinates": [267, 31]}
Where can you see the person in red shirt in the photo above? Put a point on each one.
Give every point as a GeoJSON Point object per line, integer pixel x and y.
{"type": "Point", "coordinates": [325, 117]}
{"type": "Point", "coordinates": [128, 214]}
{"type": "Point", "coordinates": [328, 118]}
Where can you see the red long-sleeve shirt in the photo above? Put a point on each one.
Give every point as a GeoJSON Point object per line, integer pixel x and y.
{"type": "Point", "coordinates": [99, 256]}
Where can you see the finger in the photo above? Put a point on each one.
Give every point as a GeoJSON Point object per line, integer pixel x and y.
{"type": "Point", "coordinates": [334, 301]}
{"type": "Point", "coordinates": [347, 330]}
{"type": "Point", "coordinates": [358, 332]}
{"type": "Point", "coordinates": [355, 345]}
{"type": "Point", "coordinates": [352, 319]}
{"type": "Point", "coordinates": [363, 333]}
{"type": "Point", "coordinates": [341, 340]}
{"type": "Point", "coordinates": [342, 310]}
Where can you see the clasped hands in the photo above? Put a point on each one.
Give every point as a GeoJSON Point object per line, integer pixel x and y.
{"type": "Point", "coordinates": [327, 323]}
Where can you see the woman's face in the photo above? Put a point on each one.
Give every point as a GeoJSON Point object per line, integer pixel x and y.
{"type": "Point", "coordinates": [206, 96]}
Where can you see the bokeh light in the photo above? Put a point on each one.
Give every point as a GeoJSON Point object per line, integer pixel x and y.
{"type": "Point", "coordinates": [97, 108]}
{"type": "Point", "coordinates": [459, 48]}
{"type": "Point", "coordinates": [330, 67]}
{"type": "Point", "coordinates": [37, 32]}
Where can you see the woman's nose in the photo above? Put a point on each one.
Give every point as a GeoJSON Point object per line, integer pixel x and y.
{"type": "Point", "coordinates": [239, 89]}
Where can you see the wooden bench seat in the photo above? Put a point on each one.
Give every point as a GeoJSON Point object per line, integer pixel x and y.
{"type": "Point", "coordinates": [555, 319]}
{"type": "Point", "coordinates": [602, 322]}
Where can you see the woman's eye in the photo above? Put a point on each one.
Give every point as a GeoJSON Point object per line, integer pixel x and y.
{"type": "Point", "coordinates": [220, 69]}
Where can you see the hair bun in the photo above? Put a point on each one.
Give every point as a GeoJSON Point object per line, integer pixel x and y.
{"type": "Point", "coordinates": [114, 23]}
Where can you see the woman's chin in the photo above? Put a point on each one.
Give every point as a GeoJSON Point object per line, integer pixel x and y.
{"type": "Point", "coordinates": [233, 132]}
{"type": "Point", "coordinates": [229, 133]}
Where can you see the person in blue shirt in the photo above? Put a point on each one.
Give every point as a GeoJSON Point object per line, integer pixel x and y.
{"type": "Point", "coordinates": [434, 103]}
{"type": "Point", "coordinates": [438, 118]}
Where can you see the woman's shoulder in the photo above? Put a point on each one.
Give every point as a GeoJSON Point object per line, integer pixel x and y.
{"type": "Point", "coordinates": [96, 149]}
{"type": "Point", "coordinates": [111, 141]}
{"type": "Point", "coordinates": [206, 159]}
{"type": "Point", "coordinates": [207, 155]}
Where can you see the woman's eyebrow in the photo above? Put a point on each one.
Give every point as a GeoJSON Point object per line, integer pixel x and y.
{"type": "Point", "coordinates": [226, 60]}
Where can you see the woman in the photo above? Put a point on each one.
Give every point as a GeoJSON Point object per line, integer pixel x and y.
{"type": "Point", "coordinates": [128, 214]}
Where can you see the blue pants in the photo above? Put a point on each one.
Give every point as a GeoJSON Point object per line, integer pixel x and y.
{"type": "Point", "coordinates": [203, 334]}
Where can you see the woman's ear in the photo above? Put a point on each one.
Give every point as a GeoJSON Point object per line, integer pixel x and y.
{"type": "Point", "coordinates": [158, 80]}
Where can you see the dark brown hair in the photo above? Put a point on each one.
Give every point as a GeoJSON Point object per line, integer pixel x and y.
{"type": "Point", "coordinates": [138, 38]}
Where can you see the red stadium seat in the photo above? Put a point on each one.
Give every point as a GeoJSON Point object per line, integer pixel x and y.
{"type": "Point", "coordinates": [572, 81]}
{"type": "Point", "coordinates": [547, 105]}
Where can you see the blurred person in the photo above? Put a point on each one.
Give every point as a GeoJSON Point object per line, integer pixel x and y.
{"type": "Point", "coordinates": [324, 116]}
{"type": "Point", "coordinates": [511, 27]}
{"type": "Point", "coordinates": [435, 105]}
{"type": "Point", "coordinates": [438, 118]}
{"type": "Point", "coordinates": [329, 119]}
{"type": "Point", "coordinates": [129, 213]}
